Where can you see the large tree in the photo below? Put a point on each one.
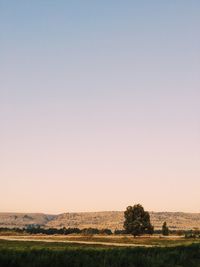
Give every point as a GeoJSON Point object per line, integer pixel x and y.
{"type": "Point", "coordinates": [137, 221]}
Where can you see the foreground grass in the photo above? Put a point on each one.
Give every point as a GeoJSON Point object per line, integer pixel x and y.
{"type": "Point", "coordinates": [41, 254]}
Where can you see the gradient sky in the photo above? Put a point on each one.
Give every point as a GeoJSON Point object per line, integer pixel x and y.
{"type": "Point", "coordinates": [99, 105]}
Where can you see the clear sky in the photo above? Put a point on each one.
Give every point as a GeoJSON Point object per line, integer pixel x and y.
{"type": "Point", "coordinates": [99, 105]}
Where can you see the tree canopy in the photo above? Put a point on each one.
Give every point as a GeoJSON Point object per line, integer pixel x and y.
{"type": "Point", "coordinates": [165, 229]}
{"type": "Point", "coordinates": [137, 220]}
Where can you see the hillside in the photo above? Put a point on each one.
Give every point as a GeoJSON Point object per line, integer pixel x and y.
{"type": "Point", "coordinates": [107, 219]}
{"type": "Point", "coordinates": [21, 220]}
{"type": "Point", "coordinates": [114, 220]}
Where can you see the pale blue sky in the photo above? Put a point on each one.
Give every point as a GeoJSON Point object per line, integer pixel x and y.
{"type": "Point", "coordinates": [99, 105]}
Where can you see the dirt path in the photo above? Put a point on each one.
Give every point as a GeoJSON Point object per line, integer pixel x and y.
{"type": "Point", "coordinates": [17, 238]}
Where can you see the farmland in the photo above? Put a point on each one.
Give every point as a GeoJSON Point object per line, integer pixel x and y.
{"type": "Point", "coordinates": [56, 254]}
{"type": "Point", "coordinates": [105, 240]}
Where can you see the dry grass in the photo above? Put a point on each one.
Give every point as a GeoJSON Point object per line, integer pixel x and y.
{"type": "Point", "coordinates": [155, 240]}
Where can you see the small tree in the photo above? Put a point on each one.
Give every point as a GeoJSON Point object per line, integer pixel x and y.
{"type": "Point", "coordinates": [150, 230]}
{"type": "Point", "coordinates": [165, 229]}
{"type": "Point", "coordinates": [137, 220]}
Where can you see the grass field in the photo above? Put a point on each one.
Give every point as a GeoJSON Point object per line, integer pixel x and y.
{"type": "Point", "coordinates": [57, 254]}
{"type": "Point", "coordinates": [115, 240]}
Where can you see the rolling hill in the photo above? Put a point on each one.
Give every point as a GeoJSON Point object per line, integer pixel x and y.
{"type": "Point", "coordinates": [106, 219]}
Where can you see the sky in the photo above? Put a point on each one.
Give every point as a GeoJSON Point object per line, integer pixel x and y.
{"type": "Point", "coordinates": [99, 105]}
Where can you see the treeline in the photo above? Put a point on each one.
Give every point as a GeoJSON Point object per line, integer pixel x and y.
{"type": "Point", "coordinates": [195, 233]}
{"type": "Point", "coordinates": [89, 231]}
{"type": "Point", "coordinates": [67, 231]}
{"type": "Point", "coordinates": [55, 231]}
{"type": "Point", "coordinates": [100, 257]}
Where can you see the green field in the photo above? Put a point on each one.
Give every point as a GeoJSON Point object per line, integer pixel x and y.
{"type": "Point", "coordinates": [54, 254]}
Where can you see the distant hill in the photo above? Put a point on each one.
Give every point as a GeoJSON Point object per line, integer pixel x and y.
{"type": "Point", "coordinates": [21, 220]}
{"type": "Point", "coordinates": [107, 219]}
{"type": "Point", "coordinates": [114, 220]}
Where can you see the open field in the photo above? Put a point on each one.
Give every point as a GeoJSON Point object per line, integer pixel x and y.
{"type": "Point", "coordinates": [57, 254]}
{"type": "Point", "coordinates": [105, 240]}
